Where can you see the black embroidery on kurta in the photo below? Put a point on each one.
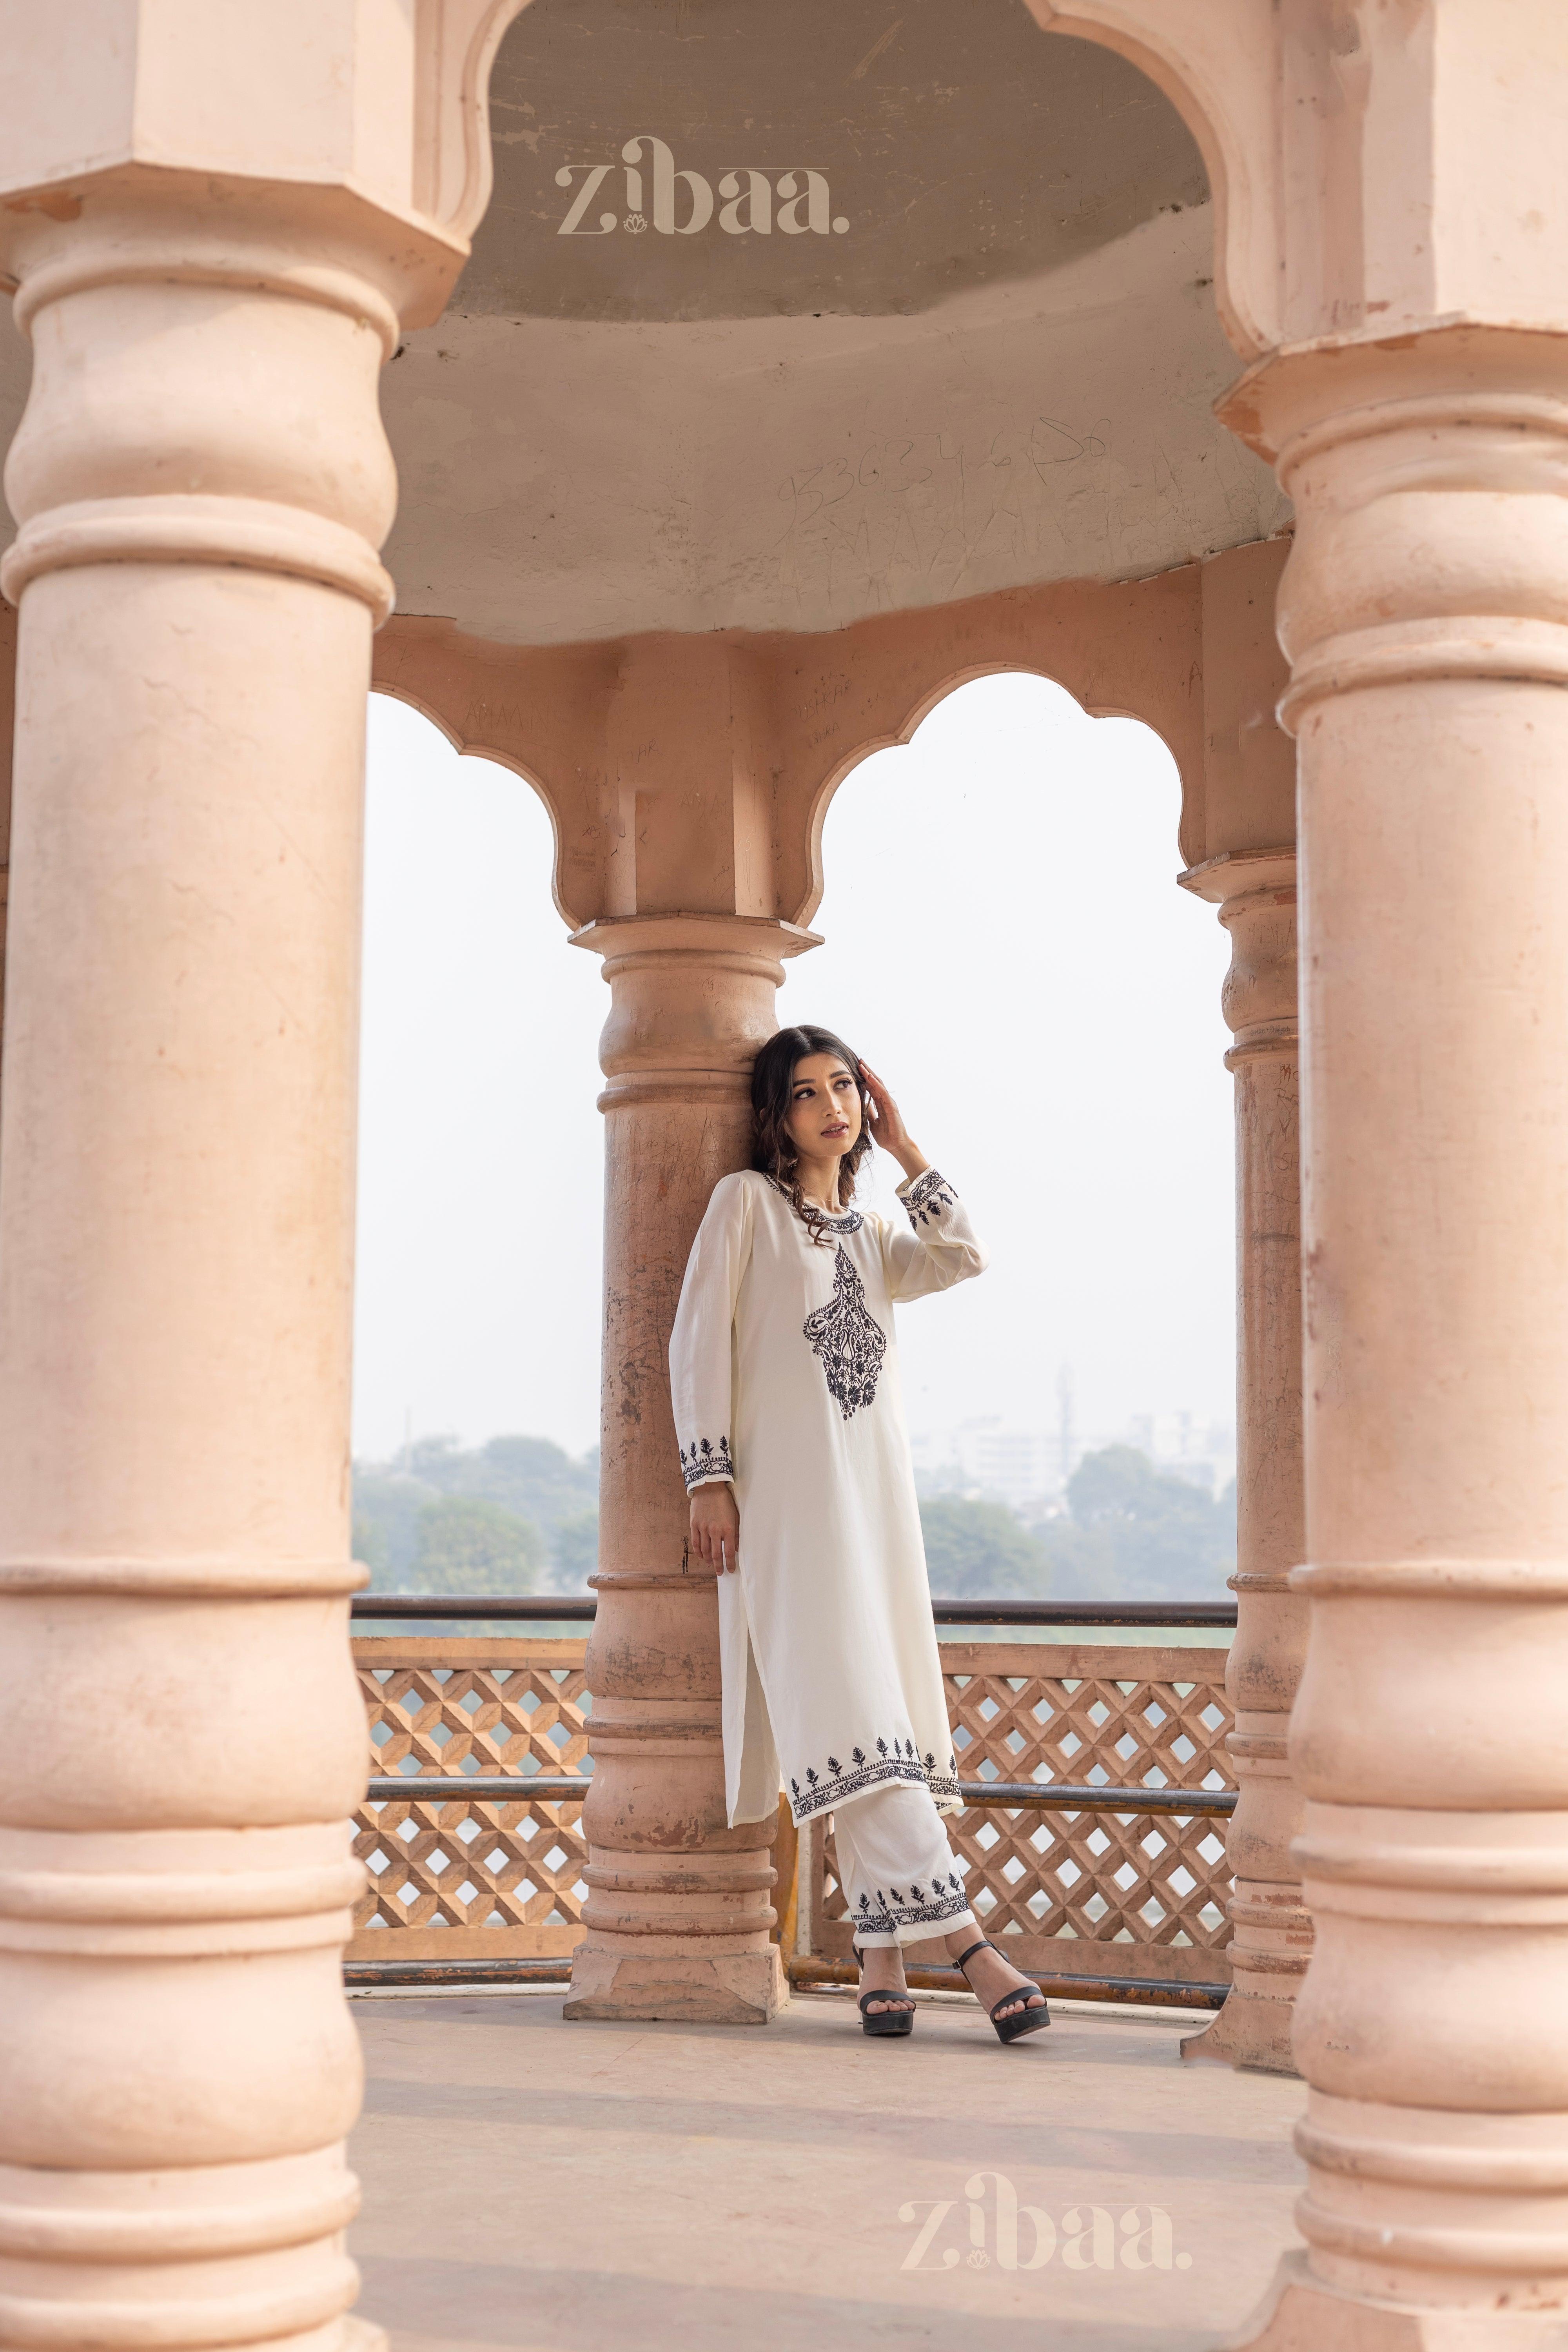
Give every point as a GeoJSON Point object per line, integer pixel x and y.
{"type": "Point", "coordinates": [901, 1762]}
{"type": "Point", "coordinates": [849, 1223]}
{"type": "Point", "coordinates": [848, 1339]}
{"type": "Point", "coordinates": [703, 1460]}
{"type": "Point", "coordinates": [927, 1197]}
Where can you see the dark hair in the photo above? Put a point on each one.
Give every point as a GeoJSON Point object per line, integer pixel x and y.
{"type": "Point", "coordinates": [773, 1087]}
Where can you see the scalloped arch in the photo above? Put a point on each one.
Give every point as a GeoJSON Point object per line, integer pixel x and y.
{"type": "Point", "coordinates": [472, 747]}
{"type": "Point", "coordinates": [919, 711]}
{"type": "Point", "coordinates": [1218, 62]}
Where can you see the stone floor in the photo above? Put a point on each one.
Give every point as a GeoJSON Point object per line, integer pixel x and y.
{"type": "Point", "coordinates": [550, 2188]}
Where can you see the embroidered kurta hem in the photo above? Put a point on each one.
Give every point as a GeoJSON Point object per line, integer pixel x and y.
{"type": "Point", "coordinates": [784, 1376]}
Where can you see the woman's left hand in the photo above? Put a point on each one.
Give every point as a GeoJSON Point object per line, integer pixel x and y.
{"type": "Point", "coordinates": [887, 1127]}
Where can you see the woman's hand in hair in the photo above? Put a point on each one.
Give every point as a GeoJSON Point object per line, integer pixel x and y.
{"type": "Point", "coordinates": [887, 1127]}
{"type": "Point", "coordinates": [715, 1526]}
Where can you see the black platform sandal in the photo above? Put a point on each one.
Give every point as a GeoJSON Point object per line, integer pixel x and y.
{"type": "Point", "coordinates": [886, 2020]}
{"type": "Point", "coordinates": [1023, 2021]}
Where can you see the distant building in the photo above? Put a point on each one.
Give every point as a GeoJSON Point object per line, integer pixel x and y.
{"type": "Point", "coordinates": [1202, 1453]}
{"type": "Point", "coordinates": [988, 1460]}
{"type": "Point", "coordinates": [992, 1462]}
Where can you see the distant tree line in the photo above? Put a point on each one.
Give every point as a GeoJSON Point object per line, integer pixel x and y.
{"type": "Point", "coordinates": [520, 1515]}
{"type": "Point", "coordinates": [1129, 1532]}
{"type": "Point", "coordinates": [517, 1514]}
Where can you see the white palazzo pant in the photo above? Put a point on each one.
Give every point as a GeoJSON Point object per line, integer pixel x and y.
{"type": "Point", "coordinates": [897, 1869]}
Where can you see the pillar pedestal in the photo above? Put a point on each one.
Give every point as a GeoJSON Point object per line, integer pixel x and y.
{"type": "Point", "coordinates": [1271, 1933]}
{"type": "Point", "coordinates": [679, 1911]}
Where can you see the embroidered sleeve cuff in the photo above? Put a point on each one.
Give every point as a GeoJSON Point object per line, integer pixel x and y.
{"type": "Point", "coordinates": [702, 1462]}
{"type": "Point", "coordinates": [928, 1197]}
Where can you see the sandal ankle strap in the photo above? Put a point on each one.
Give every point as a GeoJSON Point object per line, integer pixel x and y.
{"type": "Point", "coordinates": [984, 1944]}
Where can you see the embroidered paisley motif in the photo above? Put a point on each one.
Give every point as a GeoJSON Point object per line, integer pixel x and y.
{"type": "Point", "coordinates": [850, 1340]}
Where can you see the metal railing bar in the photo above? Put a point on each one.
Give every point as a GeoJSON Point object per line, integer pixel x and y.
{"type": "Point", "coordinates": [580, 1608]}
{"type": "Point", "coordinates": [1143, 1992]}
{"type": "Point", "coordinates": [561, 1608]}
{"type": "Point", "coordinates": [1044, 1796]}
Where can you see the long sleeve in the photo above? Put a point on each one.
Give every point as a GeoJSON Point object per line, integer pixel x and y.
{"type": "Point", "coordinates": [701, 1342]}
{"type": "Point", "coordinates": [940, 1248]}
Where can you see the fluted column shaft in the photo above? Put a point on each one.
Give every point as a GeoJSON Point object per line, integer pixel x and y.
{"type": "Point", "coordinates": [201, 482]}
{"type": "Point", "coordinates": [1424, 613]}
{"type": "Point", "coordinates": [679, 1909]}
{"type": "Point", "coordinates": [1271, 1933]}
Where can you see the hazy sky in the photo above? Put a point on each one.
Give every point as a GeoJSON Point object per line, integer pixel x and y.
{"type": "Point", "coordinates": [1004, 941]}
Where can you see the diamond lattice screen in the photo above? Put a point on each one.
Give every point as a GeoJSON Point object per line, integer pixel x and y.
{"type": "Point", "coordinates": [449, 1879]}
{"type": "Point", "coordinates": [1141, 1896]}
{"type": "Point", "coordinates": [1151, 1886]}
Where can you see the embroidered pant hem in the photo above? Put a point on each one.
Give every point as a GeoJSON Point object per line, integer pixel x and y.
{"type": "Point", "coordinates": [899, 1873]}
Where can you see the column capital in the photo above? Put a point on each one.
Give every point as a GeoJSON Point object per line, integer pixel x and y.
{"type": "Point", "coordinates": [1240, 872]}
{"type": "Point", "coordinates": [1254, 890]}
{"type": "Point", "coordinates": [765, 940]}
{"type": "Point", "coordinates": [1374, 170]}
{"type": "Point", "coordinates": [215, 234]}
{"type": "Point", "coordinates": [691, 1002]}
{"type": "Point", "coordinates": [374, 128]}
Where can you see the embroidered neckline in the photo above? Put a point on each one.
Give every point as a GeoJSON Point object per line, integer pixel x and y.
{"type": "Point", "coordinates": [849, 1223]}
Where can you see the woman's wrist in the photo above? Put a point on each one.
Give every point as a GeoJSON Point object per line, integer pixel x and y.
{"type": "Point", "coordinates": [913, 1162]}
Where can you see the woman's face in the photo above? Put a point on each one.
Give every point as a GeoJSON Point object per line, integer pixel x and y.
{"type": "Point", "coordinates": [825, 1116]}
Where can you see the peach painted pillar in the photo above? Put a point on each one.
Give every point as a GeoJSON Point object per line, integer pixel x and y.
{"type": "Point", "coordinates": [7, 739]}
{"type": "Point", "coordinates": [680, 1905]}
{"type": "Point", "coordinates": [1392, 262]}
{"type": "Point", "coordinates": [1422, 610]}
{"type": "Point", "coordinates": [1271, 1934]}
{"type": "Point", "coordinates": [1249, 795]}
{"type": "Point", "coordinates": [201, 482]}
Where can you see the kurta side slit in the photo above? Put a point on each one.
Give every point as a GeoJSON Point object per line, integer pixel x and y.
{"type": "Point", "coordinates": [784, 1376]}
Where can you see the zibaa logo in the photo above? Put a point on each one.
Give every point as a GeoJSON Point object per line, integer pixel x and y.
{"type": "Point", "coordinates": [1088, 2237]}
{"type": "Point", "coordinates": [794, 202]}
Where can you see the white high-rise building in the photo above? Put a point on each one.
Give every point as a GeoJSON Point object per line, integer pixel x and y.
{"type": "Point", "coordinates": [989, 1461]}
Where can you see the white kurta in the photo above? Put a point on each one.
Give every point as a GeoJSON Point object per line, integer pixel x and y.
{"type": "Point", "coordinates": [784, 1375]}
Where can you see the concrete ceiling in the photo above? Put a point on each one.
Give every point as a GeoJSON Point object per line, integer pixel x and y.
{"type": "Point", "coordinates": [998, 372]}
{"type": "Point", "coordinates": [958, 145]}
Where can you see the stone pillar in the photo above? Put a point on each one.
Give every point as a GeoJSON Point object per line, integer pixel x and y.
{"type": "Point", "coordinates": [1423, 612]}
{"type": "Point", "coordinates": [1256, 894]}
{"type": "Point", "coordinates": [1390, 261]}
{"type": "Point", "coordinates": [201, 483]}
{"type": "Point", "coordinates": [680, 1913]}
{"type": "Point", "coordinates": [8, 739]}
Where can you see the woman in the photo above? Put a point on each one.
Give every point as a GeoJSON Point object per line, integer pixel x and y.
{"type": "Point", "coordinates": [791, 1427]}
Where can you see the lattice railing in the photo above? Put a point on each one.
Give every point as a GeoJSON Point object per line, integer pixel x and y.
{"type": "Point", "coordinates": [1138, 1895]}
{"type": "Point", "coordinates": [1131, 1896]}
{"type": "Point", "coordinates": [457, 1879]}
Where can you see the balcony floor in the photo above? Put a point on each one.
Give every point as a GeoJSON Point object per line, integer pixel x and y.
{"type": "Point", "coordinates": [550, 2188]}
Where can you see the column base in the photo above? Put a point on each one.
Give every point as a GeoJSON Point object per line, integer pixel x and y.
{"type": "Point", "coordinates": [694, 1988]}
{"type": "Point", "coordinates": [1300, 2314]}
{"type": "Point", "coordinates": [1252, 2030]}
